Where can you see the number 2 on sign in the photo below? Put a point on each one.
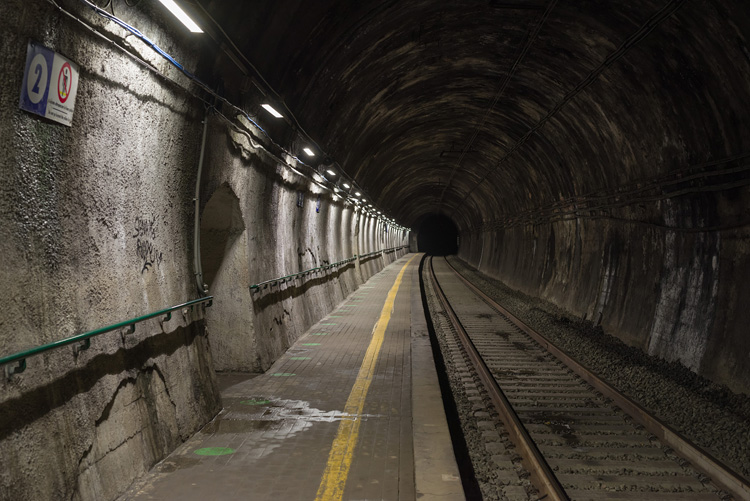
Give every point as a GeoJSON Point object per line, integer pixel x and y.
{"type": "Point", "coordinates": [38, 71]}
{"type": "Point", "coordinates": [34, 90]}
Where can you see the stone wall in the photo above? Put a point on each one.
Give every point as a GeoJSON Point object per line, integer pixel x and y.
{"type": "Point", "coordinates": [96, 227]}
{"type": "Point", "coordinates": [286, 223]}
{"type": "Point", "coordinates": [658, 282]}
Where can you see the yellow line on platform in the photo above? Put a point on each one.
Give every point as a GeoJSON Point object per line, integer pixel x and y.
{"type": "Point", "coordinates": [340, 458]}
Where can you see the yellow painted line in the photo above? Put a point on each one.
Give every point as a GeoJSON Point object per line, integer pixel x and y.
{"type": "Point", "coordinates": [342, 451]}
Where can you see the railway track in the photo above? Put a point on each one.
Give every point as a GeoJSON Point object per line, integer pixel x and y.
{"type": "Point", "coordinates": [576, 435]}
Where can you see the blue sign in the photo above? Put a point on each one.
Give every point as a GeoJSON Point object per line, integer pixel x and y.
{"type": "Point", "coordinates": [50, 84]}
{"type": "Point", "coordinates": [36, 78]}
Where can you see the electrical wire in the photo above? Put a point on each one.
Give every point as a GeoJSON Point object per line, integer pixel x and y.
{"type": "Point", "coordinates": [562, 211]}
{"type": "Point", "coordinates": [193, 78]}
{"type": "Point", "coordinates": [184, 70]}
{"type": "Point", "coordinates": [137, 59]}
{"type": "Point", "coordinates": [245, 66]}
{"type": "Point", "coordinates": [644, 30]}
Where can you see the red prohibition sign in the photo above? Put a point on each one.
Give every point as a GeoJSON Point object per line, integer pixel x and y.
{"type": "Point", "coordinates": [66, 79]}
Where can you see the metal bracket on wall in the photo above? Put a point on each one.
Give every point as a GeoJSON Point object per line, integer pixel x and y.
{"type": "Point", "coordinates": [20, 367]}
{"type": "Point", "coordinates": [82, 341]}
{"type": "Point", "coordinates": [84, 345]}
{"type": "Point", "coordinates": [125, 333]}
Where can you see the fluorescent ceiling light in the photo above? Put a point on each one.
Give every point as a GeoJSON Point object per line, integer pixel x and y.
{"type": "Point", "coordinates": [346, 186]}
{"type": "Point", "coordinates": [180, 14]}
{"type": "Point", "coordinates": [336, 189]}
{"type": "Point", "coordinates": [331, 172]}
{"type": "Point", "coordinates": [357, 193]}
{"type": "Point", "coordinates": [309, 152]}
{"type": "Point", "coordinates": [272, 111]}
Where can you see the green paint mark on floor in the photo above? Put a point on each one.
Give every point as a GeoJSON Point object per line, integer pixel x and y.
{"type": "Point", "coordinates": [299, 358]}
{"type": "Point", "coordinates": [214, 451]}
{"type": "Point", "coordinates": [319, 334]}
{"type": "Point", "coordinates": [283, 374]}
{"type": "Point", "coordinates": [310, 344]}
{"type": "Point", "coordinates": [255, 402]}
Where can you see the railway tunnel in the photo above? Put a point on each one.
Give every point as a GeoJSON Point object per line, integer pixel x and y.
{"type": "Point", "coordinates": [206, 195]}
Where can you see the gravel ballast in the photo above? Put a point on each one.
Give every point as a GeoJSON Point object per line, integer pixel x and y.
{"type": "Point", "coordinates": [709, 414]}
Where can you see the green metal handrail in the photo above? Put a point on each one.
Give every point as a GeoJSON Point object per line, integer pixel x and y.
{"type": "Point", "coordinates": [363, 256]}
{"type": "Point", "coordinates": [85, 338]}
{"type": "Point", "coordinates": [394, 249]}
{"type": "Point", "coordinates": [382, 251]}
{"type": "Point", "coordinates": [287, 278]}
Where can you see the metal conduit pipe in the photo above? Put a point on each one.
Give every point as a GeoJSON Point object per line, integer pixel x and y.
{"type": "Point", "coordinates": [197, 266]}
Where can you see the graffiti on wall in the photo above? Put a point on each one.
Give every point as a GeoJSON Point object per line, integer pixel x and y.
{"type": "Point", "coordinates": [145, 231]}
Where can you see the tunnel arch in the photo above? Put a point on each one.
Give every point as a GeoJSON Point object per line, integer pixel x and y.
{"type": "Point", "coordinates": [603, 128]}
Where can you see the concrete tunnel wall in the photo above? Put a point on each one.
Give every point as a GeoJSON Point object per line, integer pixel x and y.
{"type": "Point", "coordinates": [600, 162]}
{"type": "Point", "coordinates": [632, 207]}
{"type": "Point", "coordinates": [96, 225]}
{"type": "Point", "coordinates": [624, 201]}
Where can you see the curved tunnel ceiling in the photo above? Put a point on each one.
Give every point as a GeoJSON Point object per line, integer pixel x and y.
{"type": "Point", "coordinates": [486, 109]}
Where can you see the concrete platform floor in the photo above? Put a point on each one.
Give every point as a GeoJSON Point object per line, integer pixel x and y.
{"type": "Point", "coordinates": [351, 411]}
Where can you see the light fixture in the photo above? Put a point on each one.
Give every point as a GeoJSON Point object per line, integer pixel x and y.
{"type": "Point", "coordinates": [309, 152]}
{"type": "Point", "coordinates": [346, 186]}
{"type": "Point", "coordinates": [318, 177]}
{"type": "Point", "coordinates": [357, 193]}
{"type": "Point", "coordinates": [272, 111]}
{"type": "Point", "coordinates": [180, 14]}
{"type": "Point", "coordinates": [331, 172]}
{"type": "Point", "coordinates": [336, 189]}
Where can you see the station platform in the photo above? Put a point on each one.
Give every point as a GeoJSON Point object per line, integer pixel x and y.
{"type": "Point", "coordinates": [352, 411]}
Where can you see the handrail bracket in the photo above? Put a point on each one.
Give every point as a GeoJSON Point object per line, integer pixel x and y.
{"type": "Point", "coordinates": [82, 346]}
{"type": "Point", "coordinates": [19, 368]}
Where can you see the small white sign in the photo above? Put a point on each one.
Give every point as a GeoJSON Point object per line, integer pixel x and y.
{"type": "Point", "coordinates": [50, 84]}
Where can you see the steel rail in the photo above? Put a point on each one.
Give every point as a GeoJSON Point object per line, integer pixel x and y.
{"type": "Point", "coordinates": [541, 473]}
{"type": "Point", "coordinates": [712, 467]}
